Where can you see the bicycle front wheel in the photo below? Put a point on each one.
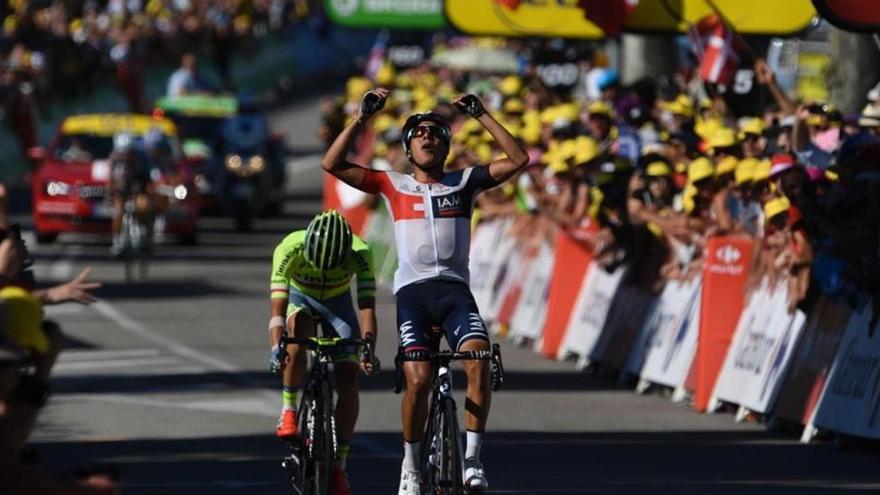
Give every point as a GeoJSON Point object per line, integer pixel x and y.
{"type": "Point", "coordinates": [453, 467]}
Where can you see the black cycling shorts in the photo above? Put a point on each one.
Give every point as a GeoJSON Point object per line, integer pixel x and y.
{"type": "Point", "coordinates": [428, 303]}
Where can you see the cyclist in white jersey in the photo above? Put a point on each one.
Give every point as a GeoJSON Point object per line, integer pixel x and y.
{"type": "Point", "coordinates": [431, 210]}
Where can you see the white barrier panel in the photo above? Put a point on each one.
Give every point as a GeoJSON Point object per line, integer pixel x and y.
{"type": "Point", "coordinates": [485, 263]}
{"type": "Point", "coordinates": [850, 403]}
{"type": "Point", "coordinates": [671, 350]}
{"type": "Point", "coordinates": [528, 319]}
{"type": "Point", "coordinates": [512, 272]}
{"type": "Point", "coordinates": [589, 314]}
{"type": "Point", "coordinates": [627, 316]}
{"type": "Point", "coordinates": [671, 304]}
{"type": "Point", "coordinates": [761, 351]}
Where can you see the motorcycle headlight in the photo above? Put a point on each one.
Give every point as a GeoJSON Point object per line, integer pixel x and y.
{"type": "Point", "coordinates": [233, 163]}
{"type": "Point", "coordinates": [180, 192]}
{"type": "Point", "coordinates": [256, 164]}
{"type": "Point", "coordinates": [57, 188]}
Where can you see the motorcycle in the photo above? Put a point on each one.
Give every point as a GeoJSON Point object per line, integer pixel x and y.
{"type": "Point", "coordinates": [250, 168]}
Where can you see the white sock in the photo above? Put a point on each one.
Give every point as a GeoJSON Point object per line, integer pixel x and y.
{"type": "Point", "coordinates": [411, 455]}
{"type": "Point", "coordinates": [474, 442]}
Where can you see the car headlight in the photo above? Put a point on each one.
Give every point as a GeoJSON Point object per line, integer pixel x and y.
{"type": "Point", "coordinates": [233, 163]}
{"type": "Point", "coordinates": [180, 192]}
{"type": "Point", "coordinates": [256, 164]}
{"type": "Point", "coordinates": [57, 188]}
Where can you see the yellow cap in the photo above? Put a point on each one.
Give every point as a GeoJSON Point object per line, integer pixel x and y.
{"type": "Point", "coordinates": [700, 169]}
{"type": "Point", "coordinates": [776, 206]}
{"type": "Point", "coordinates": [514, 105]}
{"type": "Point", "coordinates": [382, 122]}
{"type": "Point", "coordinates": [600, 108]}
{"type": "Point", "coordinates": [484, 153]}
{"type": "Point", "coordinates": [752, 125]}
{"type": "Point", "coordinates": [687, 198]}
{"type": "Point", "coordinates": [531, 134]}
{"type": "Point", "coordinates": [832, 176]}
{"type": "Point", "coordinates": [658, 169]}
{"type": "Point", "coordinates": [762, 170]}
{"type": "Point", "coordinates": [681, 105]}
{"type": "Point", "coordinates": [813, 119]}
{"type": "Point", "coordinates": [745, 170]}
{"type": "Point", "coordinates": [722, 138]}
{"type": "Point", "coordinates": [510, 86]}
{"type": "Point", "coordinates": [385, 75]}
{"type": "Point", "coordinates": [726, 165]}
{"type": "Point", "coordinates": [705, 128]}
{"type": "Point", "coordinates": [24, 319]}
{"type": "Point", "coordinates": [357, 86]}
{"type": "Point", "coordinates": [585, 149]}
{"type": "Point", "coordinates": [705, 103]}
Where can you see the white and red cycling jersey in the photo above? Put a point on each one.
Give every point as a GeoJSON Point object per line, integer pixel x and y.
{"type": "Point", "coordinates": [432, 221]}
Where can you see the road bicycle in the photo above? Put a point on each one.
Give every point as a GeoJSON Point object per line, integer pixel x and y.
{"type": "Point", "coordinates": [442, 455]}
{"type": "Point", "coordinates": [311, 454]}
{"type": "Point", "coordinates": [137, 241]}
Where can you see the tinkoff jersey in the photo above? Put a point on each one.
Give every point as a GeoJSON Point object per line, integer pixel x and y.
{"type": "Point", "coordinates": [432, 221]}
{"type": "Point", "coordinates": [290, 269]}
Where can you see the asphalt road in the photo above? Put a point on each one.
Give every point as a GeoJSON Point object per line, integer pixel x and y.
{"type": "Point", "coordinates": [166, 378]}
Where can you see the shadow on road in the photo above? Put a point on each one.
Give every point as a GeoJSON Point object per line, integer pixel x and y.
{"type": "Point", "coordinates": [162, 289]}
{"type": "Point", "coordinates": [708, 462]}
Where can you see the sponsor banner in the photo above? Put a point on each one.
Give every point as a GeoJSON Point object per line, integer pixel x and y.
{"type": "Point", "coordinates": [401, 14]}
{"type": "Point", "coordinates": [761, 350]}
{"type": "Point", "coordinates": [667, 311]}
{"type": "Point", "coordinates": [851, 15]}
{"type": "Point", "coordinates": [521, 18]}
{"type": "Point", "coordinates": [528, 320]}
{"type": "Point", "coordinates": [745, 16]}
{"type": "Point", "coordinates": [625, 320]}
{"type": "Point", "coordinates": [564, 284]}
{"type": "Point", "coordinates": [350, 202]}
{"type": "Point", "coordinates": [724, 278]}
{"type": "Point", "coordinates": [379, 234]}
{"type": "Point", "coordinates": [511, 281]}
{"type": "Point", "coordinates": [485, 261]}
{"type": "Point", "coordinates": [588, 317]}
{"type": "Point", "coordinates": [850, 403]}
{"type": "Point", "coordinates": [673, 333]}
{"type": "Point", "coordinates": [807, 373]}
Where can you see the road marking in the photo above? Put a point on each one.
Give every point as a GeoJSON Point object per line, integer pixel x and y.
{"type": "Point", "coordinates": [73, 355]}
{"type": "Point", "coordinates": [229, 406]}
{"type": "Point", "coordinates": [116, 363]}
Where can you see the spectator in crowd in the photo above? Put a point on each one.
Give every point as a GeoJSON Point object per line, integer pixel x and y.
{"type": "Point", "coordinates": [185, 80]}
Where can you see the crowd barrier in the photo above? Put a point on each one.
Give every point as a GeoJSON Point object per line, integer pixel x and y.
{"type": "Point", "coordinates": [710, 339]}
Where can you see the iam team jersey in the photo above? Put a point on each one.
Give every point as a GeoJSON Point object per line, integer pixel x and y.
{"type": "Point", "coordinates": [432, 223]}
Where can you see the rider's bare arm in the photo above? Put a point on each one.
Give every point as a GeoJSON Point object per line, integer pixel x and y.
{"type": "Point", "coordinates": [517, 158]}
{"type": "Point", "coordinates": [334, 160]}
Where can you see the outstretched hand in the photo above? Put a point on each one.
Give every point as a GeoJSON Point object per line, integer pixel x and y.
{"type": "Point", "coordinates": [77, 290]}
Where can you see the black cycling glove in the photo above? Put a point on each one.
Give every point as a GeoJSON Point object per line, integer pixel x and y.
{"type": "Point", "coordinates": [371, 103]}
{"type": "Point", "coordinates": [470, 105]}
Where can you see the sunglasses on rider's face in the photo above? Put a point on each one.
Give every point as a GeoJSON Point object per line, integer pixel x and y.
{"type": "Point", "coordinates": [428, 131]}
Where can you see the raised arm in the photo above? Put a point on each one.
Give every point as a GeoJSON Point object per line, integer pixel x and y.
{"type": "Point", "coordinates": [334, 160]}
{"type": "Point", "coordinates": [517, 158]}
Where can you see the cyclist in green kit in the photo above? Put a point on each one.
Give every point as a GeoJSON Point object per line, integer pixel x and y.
{"type": "Point", "coordinates": [312, 271]}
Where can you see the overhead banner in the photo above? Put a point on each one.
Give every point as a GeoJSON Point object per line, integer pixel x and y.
{"type": "Point", "coordinates": [761, 350]}
{"type": "Point", "coordinates": [673, 332]}
{"type": "Point", "coordinates": [588, 317]}
{"type": "Point", "coordinates": [567, 19]}
{"type": "Point", "coordinates": [851, 15]}
{"type": "Point", "coordinates": [558, 18]}
{"type": "Point", "coordinates": [400, 14]}
{"type": "Point", "coordinates": [851, 401]}
{"type": "Point", "coordinates": [778, 17]}
{"type": "Point", "coordinates": [811, 362]}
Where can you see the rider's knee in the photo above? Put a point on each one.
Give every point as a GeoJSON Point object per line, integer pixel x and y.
{"type": "Point", "coordinates": [418, 379]}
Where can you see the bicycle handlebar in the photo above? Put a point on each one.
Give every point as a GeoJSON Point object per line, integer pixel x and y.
{"type": "Point", "coordinates": [312, 343]}
{"type": "Point", "coordinates": [446, 357]}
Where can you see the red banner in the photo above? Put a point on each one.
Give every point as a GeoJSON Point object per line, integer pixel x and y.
{"type": "Point", "coordinates": [573, 260]}
{"type": "Point", "coordinates": [356, 215]}
{"type": "Point", "coordinates": [724, 279]}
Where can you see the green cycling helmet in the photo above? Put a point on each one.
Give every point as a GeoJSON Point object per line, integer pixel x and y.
{"type": "Point", "coordinates": [328, 240]}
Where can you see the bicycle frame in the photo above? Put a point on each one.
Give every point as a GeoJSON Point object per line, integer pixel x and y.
{"type": "Point", "coordinates": [308, 458]}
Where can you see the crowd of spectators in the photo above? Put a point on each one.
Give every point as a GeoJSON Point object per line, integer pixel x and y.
{"type": "Point", "coordinates": [643, 175]}
{"type": "Point", "coordinates": [29, 347]}
{"type": "Point", "coordinates": [63, 49]}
